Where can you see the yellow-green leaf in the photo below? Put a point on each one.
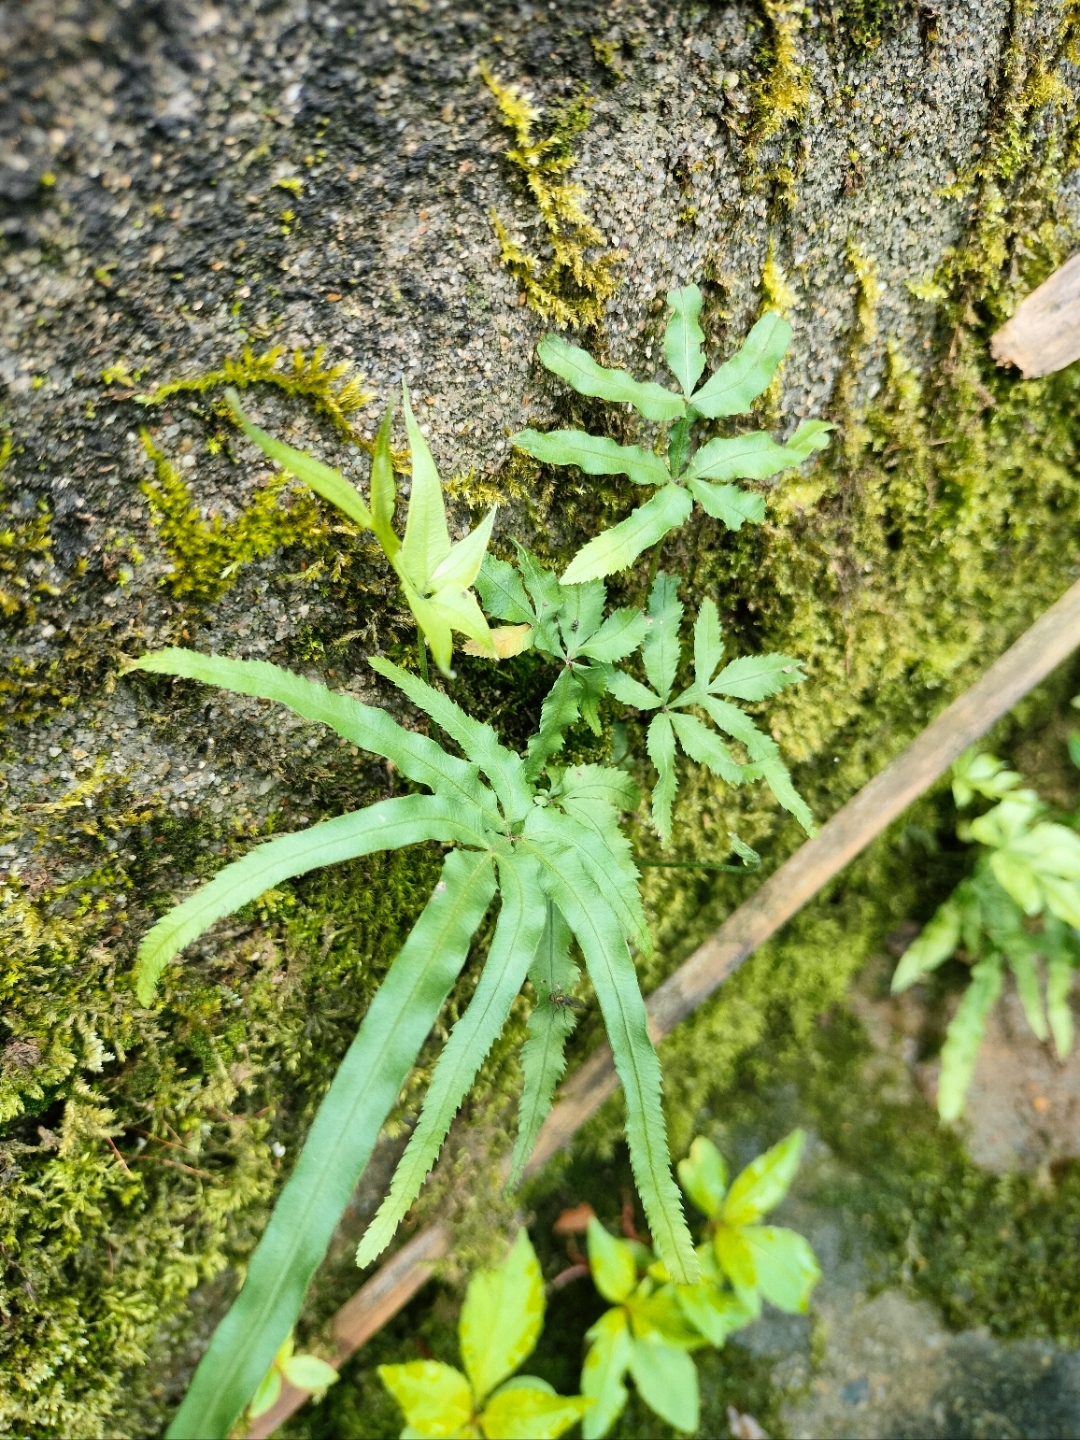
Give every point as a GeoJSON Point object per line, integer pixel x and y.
{"type": "Point", "coordinates": [435, 1397]}
{"type": "Point", "coordinates": [763, 1184]}
{"type": "Point", "coordinates": [502, 1317]}
{"type": "Point", "coordinates": [614, 1269]}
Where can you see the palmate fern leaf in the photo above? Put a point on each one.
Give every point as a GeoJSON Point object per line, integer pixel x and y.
{"type": "Point", "coordinates": [337, 1149]}
{"type": "Point", "coordinates": [543, 1056]}
{"type": "Point", "coordinates": [602, 855]}
{"type": "Point", "coordinates": [600, 935]}
{"type": "Point", "coordinates": [517, 935]}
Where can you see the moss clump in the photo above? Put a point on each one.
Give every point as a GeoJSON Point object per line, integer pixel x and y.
{"type": "Point", "coordinates": [783, 92]}
{"type": "Point", "coordinates": [206, 554]}
{"type": "Point", "coordinates": [571, 287]}
{"type": "Point", "coordinates": [325, 387]}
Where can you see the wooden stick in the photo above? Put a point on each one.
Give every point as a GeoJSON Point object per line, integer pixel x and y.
{"type": "Point", "coordinates": [1052, 639]}
{"type": "Point", "coordinates": [364, 1314]}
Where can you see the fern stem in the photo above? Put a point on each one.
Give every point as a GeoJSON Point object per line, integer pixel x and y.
{"type": "Point", "coordinates": [421, 652]}
{"type": "Point", "coordinates": [693, 865]}
{"type": "Point", "coordinates": [654, 565]}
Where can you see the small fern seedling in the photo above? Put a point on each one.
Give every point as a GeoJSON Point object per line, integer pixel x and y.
{"type": "Point", "coordinates": [436, 576]}
{"type": "Point", "coordinates": [679, 474]}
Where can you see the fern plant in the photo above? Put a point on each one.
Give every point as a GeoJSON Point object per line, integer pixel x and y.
{"type": "Point", "coordinates": [435, 575]}
{"type": "Point", "coordinates": [544, 837]}
{"type": "Point", "coordinates": [1019, 907]}
{"type": "Point", "coordinates": [679, 473]}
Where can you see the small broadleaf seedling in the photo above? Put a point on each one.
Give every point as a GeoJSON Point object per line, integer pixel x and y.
{"type": "Point", "coordinates": [653, 1325]}
{"type": "Point", "coordinates": [500, 1323]}
{"type": "Point", "coordinates": [1021, 904]}
{"type": "Point", "coordinates": [306, 1372]}
{"type": "Point", "coordinates": [679, 473]}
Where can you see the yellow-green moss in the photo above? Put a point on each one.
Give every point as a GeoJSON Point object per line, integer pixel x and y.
{"type": "Point", "coordinates": [569, 288]}
{"type": "Point", "coordinates": [327, 389]}
{"type": "Point", "coordinates": [206, 554]}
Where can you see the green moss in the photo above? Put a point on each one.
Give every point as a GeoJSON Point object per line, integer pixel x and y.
{"type": "Point", "coordinates": [326, 388]}
{"type": "Point", "coordinates": [206, 554]}
{"type": "Point", "coordinates": [571, 286]}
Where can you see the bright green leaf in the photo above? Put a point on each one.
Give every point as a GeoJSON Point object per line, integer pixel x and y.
{"type": "Point", "coordinates": [502, 1317]}
{"type": "Point", "coordinates": [337, 1149]}
{"type": "Point", "coordinates": [619, 636]}
{"type": "Point", "coordinates": [427, 538]}
{"type": "Point", "coordinates": [714, 1313]}
{"type": "Point", "coordinates": [612, 1263]}
{"type": "Point", "coordinates": [755, 456]}
{"type": "Point", "coordinates": [581, 611]}
{"type": "Point", "coordinates": [521, 922]}
{"type": "Point", "coordinates": [435, 1397]}
{"type": "Point", "coordinates": [531, 1413]}
{"type": "Point", "coordinates": [666, 1379]}
{"type": "Point", "coordinates": [660, 650]}
{"type": "Point", "coordinates": [629, 691]}
{"type": "Point", "coordinates": [611, 969]}
{"type": "Point", "coordinates": [389, 825]}
{"type": "Point", "coordinates": [266, 1396]}
{"type": "Point", "coordinates": [775, 774]}
{"type": "Point", "coordinates": [738, 382]}
{"type": "Point", "coordinates": [462, 565]}
{"type": "Point", "coordinates": [934, 944]}
{"type": "Point", "coordinates": [1021, 960]}
{"type": "Point", "coordinates": [479, 741]}
{"type": "Point", "coordinates": [765, 1182]}
{"type": "Point", "coordinates": [308, 1372]}
{"type": "Point", "coordinates": [543, 1058]}
{"type": "Point", "coordinates": [579, 369]}
{"type": "Point", "coordinates": [606, 1363]}
{"type": "Point", "coordinates": [810, 436]}
{"type": "Point", "coordinates": [706, 747]}
{"type": "Point", "coordinates": [735, 1257]}
{"type": "Point", "coordinates": [328, 483]}
{"type": "Point", "coordinates": [964, 1035]}
{"type": "Point", "coordinates": [703, 1175]}
{"type": "Point", "coordinates": [728, 503]}
{"type": "Point", "coordinates": [708, 644]}
{"type": "Point", "coordinates": [595, 454]}
{"type": "Point", "coordinates": [1060, 962]}
{"type": "Point", "coordinates": [684, 337]}
{"type": "Point", "coordinates": [384, 489]}
{"type": "Point", "coordinates": [588, 784]}
{"type": "Point", "coordinates": [502, 592]}
{"type": "Point", "coordinates": [616, 549]}
{"type": "Point", "coordinates": [660, 744]}
{"type": "Point", "coordinates": [417, 757]}
{"type": "Point", "coordinates": [785, 1265]}
{"type": "Point", "coordinates": [754, 677]}
{"type": "Point", "coordinates": [1016, 875]}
